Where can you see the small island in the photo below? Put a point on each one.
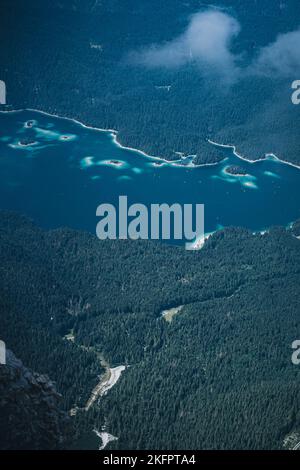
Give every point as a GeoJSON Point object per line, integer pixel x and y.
{"type": "Point", "coordinates": [27, 142]}
{"type": "Point", "coordinates": [236, 170]}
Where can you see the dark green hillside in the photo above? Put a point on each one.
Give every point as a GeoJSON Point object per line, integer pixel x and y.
{"type": "Point", "coordinates": [70, 58]}
{"type": "Point", "coordinates": [219, 375]}
{"type": "Point", "coordinates": [33, 311]}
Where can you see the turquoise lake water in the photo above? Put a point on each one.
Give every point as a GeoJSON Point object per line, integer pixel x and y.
{"type": "Point", "coordinates": [57, 172]}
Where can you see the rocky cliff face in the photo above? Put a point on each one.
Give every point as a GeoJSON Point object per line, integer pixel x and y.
{"type": "Point", "coordinates": [30, 414]}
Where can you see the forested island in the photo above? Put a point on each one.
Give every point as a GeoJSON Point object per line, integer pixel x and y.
{"type": "Point", "coordinates": [27, 142]}
{"type": "Point", "coordinates": [236, 170]}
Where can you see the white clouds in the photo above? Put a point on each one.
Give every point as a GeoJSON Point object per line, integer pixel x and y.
{"type": "Point", "coordinates": [206, 40]}
{"type": "Point", "coordinates": [209, 37]}
{"type": "Point", "coordinates": [281, 58]}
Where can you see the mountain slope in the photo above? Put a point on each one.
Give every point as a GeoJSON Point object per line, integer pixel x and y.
{"type": "Point", "coordinates": [219, 375]}
{"type": "Point", "coordinates": [30, 413]}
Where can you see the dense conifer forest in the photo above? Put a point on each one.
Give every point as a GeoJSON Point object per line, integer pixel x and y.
{"type": "Point", "coordinates": [205, 336]}
{"type": "Point", "coordinates": [219, 375]}
{"type": "Point", "coordinates": [71, 58]}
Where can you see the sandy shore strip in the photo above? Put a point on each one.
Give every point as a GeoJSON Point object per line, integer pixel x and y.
{"type": "Point", "coordinates": [199, 243]}
{"type": "Point", "coordinates": [114, 134]}
{"type": "Point", "coordinates": [271, 156]}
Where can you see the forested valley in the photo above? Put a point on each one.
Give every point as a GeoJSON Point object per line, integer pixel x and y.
{"type": "Point", "coordinates": [218, 375]}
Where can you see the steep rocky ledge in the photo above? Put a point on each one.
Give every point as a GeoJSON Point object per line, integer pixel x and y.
{"type": "Point", "coordinates": [30, 413]}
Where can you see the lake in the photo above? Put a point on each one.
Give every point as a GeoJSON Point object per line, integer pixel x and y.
{"type": "Point", "coordinates": [58, 171]}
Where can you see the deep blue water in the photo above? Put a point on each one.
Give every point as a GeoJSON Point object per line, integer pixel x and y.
{"type": "Point", "coordinates": [61, 178]}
